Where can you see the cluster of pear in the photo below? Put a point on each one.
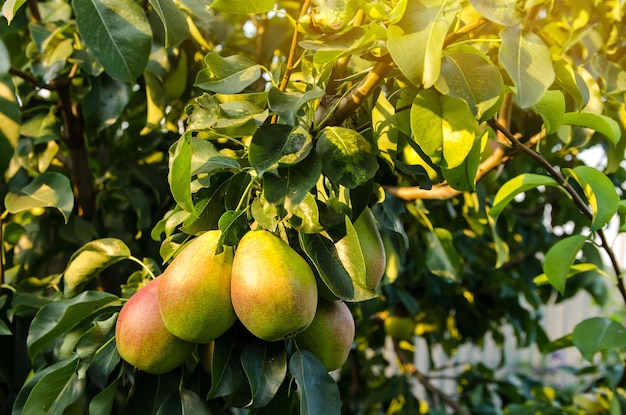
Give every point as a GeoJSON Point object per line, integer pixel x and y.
{"type": "Point", "coordinates": [265, 284]}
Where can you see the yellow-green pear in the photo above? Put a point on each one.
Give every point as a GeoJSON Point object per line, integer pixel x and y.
{"type": "Point", "coordinates": [273, 289]}
{"type": "Point", "coordinates": [330, 335]}
{"type": "Point", "coordinates": [194, 294]}
{"type": "Point", "coordinates": [141, 337]}
{"type": "Point", "coordinates": [400, 327]}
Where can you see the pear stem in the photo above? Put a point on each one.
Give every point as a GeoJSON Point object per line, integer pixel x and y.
{"type": "Point", "coordinates": [144, 266]}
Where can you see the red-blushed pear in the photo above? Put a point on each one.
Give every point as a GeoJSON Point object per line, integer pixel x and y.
{"type": "Point", "coordinates": [330, 335]}
{"type": "Point", "coordinates": [372, 247]}
{"type": "Point", "coordinates": [194, 294]}
{"type": "Point", "coordinates": [273, 289]}
{"type": "Point", "coordinates": [141, 337]}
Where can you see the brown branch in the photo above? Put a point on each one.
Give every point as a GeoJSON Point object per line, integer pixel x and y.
{"type": "Point", "coordinates": [30, 78]}
{"type": "Point", "coordinates": [339, 69]}
{"type": "Point", "coordinates": [445, 191]}
{"type": "Point", "coordinates": [73, 136]}
{"type": "Point", "coordinates": [580, 203]}
{"type": "Point", "coordinates": [411, 370]}
{"type": "Point", "coordinates": [329, 112]}
{"type": "Point", "coordinates": [33, 7]}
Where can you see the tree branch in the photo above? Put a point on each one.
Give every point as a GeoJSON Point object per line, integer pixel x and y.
{"type": "Point", "coordinates": [580, 203]}
{"type": "Point", "coordinates": [411, 370]}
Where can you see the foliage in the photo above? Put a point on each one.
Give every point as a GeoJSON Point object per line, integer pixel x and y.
{"type": "Point", "coordinates": [130, 127]}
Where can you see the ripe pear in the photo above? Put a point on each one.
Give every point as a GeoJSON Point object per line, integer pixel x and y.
{"type": "Point", "coordinates": [330, 335]}
{"type": "Point", "coordinates": [372, 247]}
{"type": "Point", "coordinates": [141, 337]}
{"type": "Point", "coordinates": [273, 289]}
{"type": "Point", "coordinates": [194, 294]}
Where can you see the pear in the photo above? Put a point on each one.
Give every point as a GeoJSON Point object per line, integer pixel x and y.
{"type": "Point", "coordinates": [372, 247]}
{"type": "Point", "coordinates": [194, 294]}
{"type": "Point", "coordinates": [273, 289]}
{"type": "Point", "coordinates": [141, 337]}
{"type": "Point", "coordinates": [330, 335]}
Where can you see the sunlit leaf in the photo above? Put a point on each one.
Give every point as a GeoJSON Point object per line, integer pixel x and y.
{"type": "Point", "coordinates": [118, 33]}
{"type": "Point", "coordinates": [10, 9]}
{"type": "Point", "coordinates": [515, 186]}
{"type": "Point", "coordinates": [600, 192]}
{"type": "Point", "coordinates": [529, 64]}
{"type": "Point", "coordinates": [560, 257]}
{"type": "Point", "coordinates": [606, 126]}
{"type": "Point", "coordinates": [243, 6]}
{"type": "Point", "coordinates": [504, 12]}
{"type": "Point", "coordinates": [442, 259]}
{"type": "Point", "coordinates": [424, 23]}
{"type": "Point", "coordinates": [179, 175]}
{"type": "Point", "coordinates": [91, 259]}
{"type": "Point", "coordinates": [597, 334]}
{"type": "Point", "coordinates": [48, 190]}
{"type": "Point", "coordinates": [542, 279]}
{"type": "Point", "coordinates": [551, 108]}
{"type": "Point", "coordinates": [469, 75]}
{"type": "Point", "coordinates": [443, 127]}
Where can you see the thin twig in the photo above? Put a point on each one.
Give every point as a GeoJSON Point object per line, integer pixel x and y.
{"type": "Point", "coordinates": [411, 370]}
{"type": "Point", "coordinates": [580, 203]}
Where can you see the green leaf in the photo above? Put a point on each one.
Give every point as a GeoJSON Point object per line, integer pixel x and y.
{"type": "Point", "coordinates": [469, 75]}
{"type": "Point", "coordinates": [174, 21]}
{"type": "Point", "coordinates": [529, 63]}
{"type": "Point", "coordinates": [292, 184]}
{"type": "Point", "coordinates": [318, 391]}
{"type": "Point", "coordinates": [600, 192]}
{"type": "Point", "coordinates": [336, 270]}
{"type": "Point", "coordinates": [179, 176]}
{"type": "Point", "coordinates": [463, 176]}
{"type": "Point", "coordinates": [289, 104]}
{"type": "Point", "coordinates": [10, 9]}
{"type": "Point", "coordinates": [598, 334]}
{"type": "Point", "coordinates": [233, 224]}
{"type": "Point", "coordinates": [205, 158]}
{"type": "Point", "coordinates": [91, 259]}
{"type": "Point", "coordinates": [306, 216]}
{"type": "Point", "coordinates": [275, 145]}
{"type": "Point", "coordinates": [243, 6]}
{"type": "Point", "coordinates": [424, 23]}
{"type": "Point", "coordinates": [58, 317]}
{"type": "Point", "coordinates": [575, 269]}
{"type": "Point", "coordinates": [265, 364]}
{"type": "Point", "coordinates": [51, 389]}
{"type": "Point", "coordinates": [103, 363]}
{"type": "Point", "coordinates": [227, 374]}
{"type": "Point", "coordinates": [118, 33]}
{"type": "Point", "coordinates": [184, 401]}
{"type": "Point", "coordinates": [347, 157]}
{"type": "Point", "coordinates": [515, 186]}
{"type": "Point", "coordinates": [229, 75]}
{"type": "Point", "coordinates": [560, 257]}
{"type": "Point", "coordinates": [104, 102]}
{"type": "Point", "coordinates": [503, 12]}
{"type": "Point", "coordinates": [49, 190]}
{"type": "Point", "coordinates": [551, 108]}
{"type": "Point", "coordinates": [10, 118]}
{"type": "Point", "coordinates": [443, 127]}
{"type": "Point", "coordinates": [102, 403]}
{"type": "Point", "coordinates": [442, 258]}
{"type": "Point", "coordinates": [604, 125]}
{"type": "Point", "coordinates": [571, 82]}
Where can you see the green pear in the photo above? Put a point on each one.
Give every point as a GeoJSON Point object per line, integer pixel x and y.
{"type": "Point", "coordinates": [273, 289]}
{"type": "Point", "coordinates": [141, 337]}
{"type": "Point", "coordinates": [330, 335]}
{"type": "Point", "coordinates": [194, 295]}
{"type": "Point", "coordinates": [400, 327]}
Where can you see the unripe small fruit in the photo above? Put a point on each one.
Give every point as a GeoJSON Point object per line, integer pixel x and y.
{"type": "Point", "coordinates": [400, 327]}
{"type": "Point", "coordinates": [273, 289]}
{"type": "Point", "coordinates": [141, 337]}
{"type": "Point", "coordinates": [330, 335]}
